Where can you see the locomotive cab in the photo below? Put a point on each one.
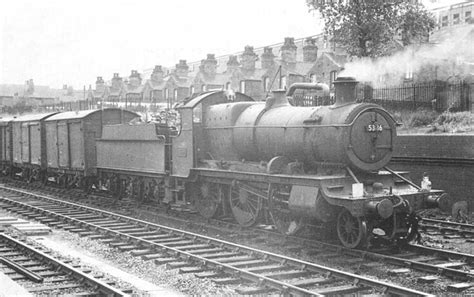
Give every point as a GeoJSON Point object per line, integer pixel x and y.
{"type": "Point", "coordinates": [191, 144]}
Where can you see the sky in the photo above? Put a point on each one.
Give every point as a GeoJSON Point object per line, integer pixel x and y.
{"type": "Point", "coordinates": [57, 42]}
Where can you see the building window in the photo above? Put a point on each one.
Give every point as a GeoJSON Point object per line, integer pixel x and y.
{"type": "Point", "coordinates": [227, 86]}
{"type": "Point", "coordinates": [167, 94]}
{"type": "Point", "coordinates": [175, 93]}
{"type": "Point", "coordinates": [455, 18]}
{"type": "Point", "coordinates": [242, 86]}
{"type": "Point", "coordinates": [312, 78]}
{"type": "Point", "coordinates": [332, 76]}
{"type": "Point", "coordinates": [444, 21]}
{"type": "Point", "coordinates": [192, 90]}
{"type": "Point", "coordinates": [266, 84]}
{"type": "Point", "coordinates": [467, 16]}
{"type": "Point", "coordinates": [283, 83]}
{"type": "Point", "coordinates": [204, 88]}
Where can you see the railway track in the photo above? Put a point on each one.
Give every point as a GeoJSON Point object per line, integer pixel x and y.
{"type": "Point", "coordinates": [255, 271]}
{"type": "Point", "coordinates": [41, 274]}
{"type": "Point", "coordinates": [436, 264]}
{"type": "Point", "coordinates": [447, 228]}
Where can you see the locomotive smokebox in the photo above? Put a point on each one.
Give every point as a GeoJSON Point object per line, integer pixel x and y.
{"type": "Point", "coordinates": [345, 88]}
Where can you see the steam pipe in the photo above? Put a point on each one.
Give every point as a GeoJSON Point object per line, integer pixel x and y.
{"type": "Point", "coordinates": [307, 86]}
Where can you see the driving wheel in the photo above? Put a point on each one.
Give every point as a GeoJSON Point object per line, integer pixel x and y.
{"type": "Point", "coordinates": [208, 199]}
{"type": "Point", "coordinates": [351, 231]}
{"type": "Point", "coordinates": [245, 205]}
{"type": "Point", "coordinates": [284, 221]}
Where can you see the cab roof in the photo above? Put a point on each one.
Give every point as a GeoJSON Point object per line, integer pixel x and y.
{"type": "Point", "coordinates": [216, 97]}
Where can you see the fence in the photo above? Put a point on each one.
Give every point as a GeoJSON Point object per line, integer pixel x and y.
{"type": "Point", "coordinates": [439, 96]}
{"type": "Point", "coordinates": [87, 104]}
{"type": "Point", "coordinates": [68, 106]}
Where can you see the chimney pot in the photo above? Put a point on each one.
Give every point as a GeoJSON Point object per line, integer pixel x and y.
{"type": "Point", "coordinates": [248, 59]}
{"type": "Point", "coordinates": [310, 51]}
{"type": "Point", "coordinates": [182, 68]}
{"type": "Point", "coordinates": [288, 51]}
{"type": "Point", "coordinates": [268, 58]}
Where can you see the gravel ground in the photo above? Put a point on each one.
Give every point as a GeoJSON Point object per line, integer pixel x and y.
{"type": "Point", "coordinates": [277, 245]}
{"type": "Point", "coordinates": [148, 278]}
{"type": "Point", "coordinates": [189, 285]}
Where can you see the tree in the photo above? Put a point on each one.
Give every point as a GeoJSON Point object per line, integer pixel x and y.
{"type": "Point", "coordinates": [369, 28]}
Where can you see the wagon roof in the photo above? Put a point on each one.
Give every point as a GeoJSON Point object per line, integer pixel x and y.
{"type": "Point", "coordinates": [33, 117]}
{"type": "Point", "coordinates": [71, 115]}
{"type": "Point", "coordinates": [5, 120]}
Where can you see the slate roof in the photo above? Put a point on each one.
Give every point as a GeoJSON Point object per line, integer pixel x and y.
{"type": "Point", "coordinates": [217, 79]}
{"type": "Point", "coordinates": [182, 82]}
{"type": "Point", "coordinates": [135, 90]}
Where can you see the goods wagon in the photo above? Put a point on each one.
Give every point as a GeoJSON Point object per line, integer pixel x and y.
{"type": "Point", "coordinates": [71, 142]}
{"type": "Point", "coordinates": [28, 145]}
{"type": "Point", "coordinates": [5, 144]}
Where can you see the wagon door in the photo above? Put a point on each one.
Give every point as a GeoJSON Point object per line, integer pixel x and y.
{"type": "Point", "coordinates": [52, 144]}
{"type": "Point", "coordinates": [76, 145]}
{"type": "Point", "coordinates": [4, 141]}
{"type": "Point", "coordinates": [63, 145]}
{"type": "Point", "coordinates": [16, 145]}
{"type": "Point", "coordinates": [25, 143]}
{"type": "Point", "coordinates": [9, 143]}
{"type": "Point", "coordinates": [35, 143]}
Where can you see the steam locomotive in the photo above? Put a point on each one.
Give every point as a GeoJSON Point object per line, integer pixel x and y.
{"type": "Point", "coordinates": [260, 162]}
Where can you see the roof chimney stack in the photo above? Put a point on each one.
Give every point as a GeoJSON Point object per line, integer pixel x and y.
{"type": "Point", "coordinates": [288, 52]}
{"type": "Point", "coordinates": [310, 51]}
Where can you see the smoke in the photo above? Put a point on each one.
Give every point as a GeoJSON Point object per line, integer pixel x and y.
{"type": "Point", "coordinates": [449, 54]}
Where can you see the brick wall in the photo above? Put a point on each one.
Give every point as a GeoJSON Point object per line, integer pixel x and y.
{"type": "Point", "coordinates": [457, 180]}
{"type": "Point", "coordinates": [437, 146]}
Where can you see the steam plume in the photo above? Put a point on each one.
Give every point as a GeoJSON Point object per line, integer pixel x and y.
{"type": "Point", "coordinates": [452, 56]}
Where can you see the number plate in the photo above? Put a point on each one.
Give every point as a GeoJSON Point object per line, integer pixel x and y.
{"type": "Point", "coordinates": [374, 128]}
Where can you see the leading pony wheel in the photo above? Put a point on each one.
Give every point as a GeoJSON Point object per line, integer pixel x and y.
{"type": "Point", "coordinates": [351, 231]}
{"type": "Point", "coordinates": [245, 206]}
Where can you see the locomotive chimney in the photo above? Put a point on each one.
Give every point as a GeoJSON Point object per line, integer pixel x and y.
{"type": "Point", "coordinates": [345, 88]}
